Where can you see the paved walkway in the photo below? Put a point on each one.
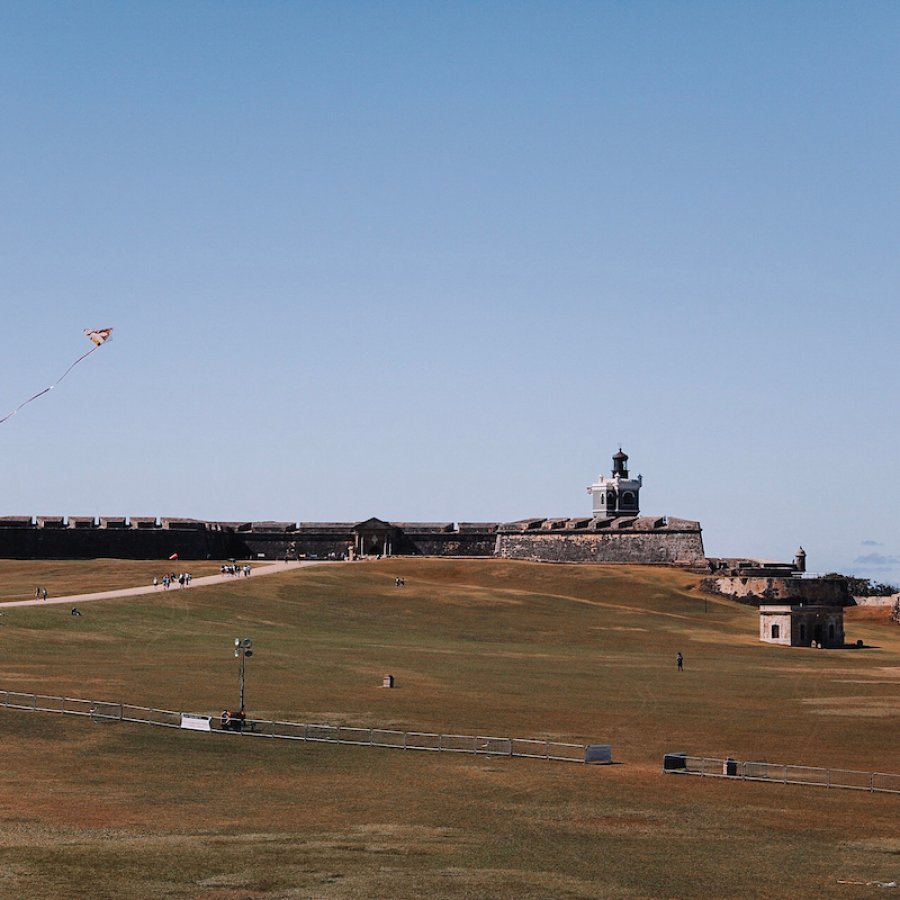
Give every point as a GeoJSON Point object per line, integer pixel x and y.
{"type": "Point", "coordinates": [260, 569]}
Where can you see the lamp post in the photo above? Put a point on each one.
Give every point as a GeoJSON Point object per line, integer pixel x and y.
{"type": "Point", "coordinates": [242, 651]}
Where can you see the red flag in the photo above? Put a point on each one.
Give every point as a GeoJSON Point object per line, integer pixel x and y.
{"type": "Point", "coordinates": [174, 556]}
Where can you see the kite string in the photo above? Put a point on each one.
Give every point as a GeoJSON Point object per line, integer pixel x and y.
{"type": "Point", "coordinates": [47, 390]}
{"type": "Point", "coordinates": [80, 358]}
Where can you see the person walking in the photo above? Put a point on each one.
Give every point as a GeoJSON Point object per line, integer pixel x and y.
{"type": "Point", "coordinates": [44, 593]}
{"type": "Point", "coordinates": [679, 660]}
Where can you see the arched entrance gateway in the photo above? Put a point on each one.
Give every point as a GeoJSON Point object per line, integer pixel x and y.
{"type": "Point", "coordinates": [374, 537]}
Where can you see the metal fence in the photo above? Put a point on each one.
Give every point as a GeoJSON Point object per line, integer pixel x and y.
{"type": "Point", "coordinates": [104, 711]}
{"type": "Point", "coordinates": [778, 773]}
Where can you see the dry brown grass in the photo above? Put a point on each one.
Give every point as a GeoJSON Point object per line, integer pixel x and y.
{"type": "Point", "coordinates": [577, 653]}
{"type": "Point", "coordinates": [62, 577]}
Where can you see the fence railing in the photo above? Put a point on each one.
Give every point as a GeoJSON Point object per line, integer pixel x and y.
{"type": "Point", "coordinates": [778, 773]}
{"type": "Point", "coordinates": [101, 710]}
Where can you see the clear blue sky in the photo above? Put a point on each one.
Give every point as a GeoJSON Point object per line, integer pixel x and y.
{"type": "Point", "coordinates": [438, 261]}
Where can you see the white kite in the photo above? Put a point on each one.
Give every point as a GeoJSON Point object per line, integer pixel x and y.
{"type": "Point", "coordinates": [98, 337]}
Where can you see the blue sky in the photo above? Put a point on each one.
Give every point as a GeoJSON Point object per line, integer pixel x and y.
{"type": "Point", "coordinates": [438, 261]}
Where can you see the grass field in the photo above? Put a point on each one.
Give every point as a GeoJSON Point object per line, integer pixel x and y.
{"type": "Point", "coordinates": [582, 654]}
{"type": "Point", "coordinates": [61, 577]}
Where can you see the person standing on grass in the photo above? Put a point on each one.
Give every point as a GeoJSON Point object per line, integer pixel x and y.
{"type": "Point", "coordinates": [679, 660]}
{"type": "Point", "coordinates": [44, 593]}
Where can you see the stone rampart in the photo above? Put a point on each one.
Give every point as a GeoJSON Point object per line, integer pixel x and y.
{"type": "Point", "coordinates": [331, 541]}
{"type": "Point", "coordinates": [889, 600]}
{"type": "Point", "coordinates": [756, 590]}
{"type": "Point", "coordinates": [80, 542]}
{"type": "Point", "coordinates": [456, 543]}
{"type": "Point", "coordinates": [634, 540]}
{"type": "Point", "coordinates": [637, 541]}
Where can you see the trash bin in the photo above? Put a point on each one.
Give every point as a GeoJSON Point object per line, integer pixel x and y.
{"type": "Point", "coordinates": [729, 767]}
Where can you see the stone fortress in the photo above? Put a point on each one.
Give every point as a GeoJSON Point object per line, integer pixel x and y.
{"type": "Point", "coordinates": [794, 610]}
{"type": "Point", "coordinates": [615, 532]}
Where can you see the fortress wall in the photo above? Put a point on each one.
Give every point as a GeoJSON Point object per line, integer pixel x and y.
{"type": "Point", "coordinates": [275, 545]}
{"type": "Point", "coordinates": [279, 544]}
{"type": "Point", "coordinates": [679, 548]}
{"type": "Point", "coordinates": [760, 589]}
{"type": "Point", "coordinates": [887, 600]}
{"type": "Point", "coordinates": [84, 538]}
{"type": "Point", "coordinates": [112, 543]}
{"type": "Point", "coordinates": [641, 541]}
{"type": "Point", "coordinates": [453, 543]}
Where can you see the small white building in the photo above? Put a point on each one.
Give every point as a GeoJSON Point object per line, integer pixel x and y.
{"type": "Point", "coordinates": [801, 625]}
{"type": "Point", "coordinates": [617, 495]}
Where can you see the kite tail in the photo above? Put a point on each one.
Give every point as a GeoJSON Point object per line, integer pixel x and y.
{"type": "Point", "coordinates": [47, 390]}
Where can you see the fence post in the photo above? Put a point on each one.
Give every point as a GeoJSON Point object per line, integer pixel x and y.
{"type": "Point", "coordinates": [440, 742]}
{"type": "Point", "coordinates": [404, 740]}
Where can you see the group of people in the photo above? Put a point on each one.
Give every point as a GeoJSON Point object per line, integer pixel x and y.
{"type": "Point", "coordinates": [399, 582]}
{"type": "Point", "coordinates": [40, 593]}
{"type": "Point", "coordinates": [184, 579]}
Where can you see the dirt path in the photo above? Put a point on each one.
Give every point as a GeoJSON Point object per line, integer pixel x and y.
{"type": "Point", "coordinates": [260, 569]}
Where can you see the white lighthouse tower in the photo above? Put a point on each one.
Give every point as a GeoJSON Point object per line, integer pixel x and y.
{"type": "Point", "coordinates": [617, 495]}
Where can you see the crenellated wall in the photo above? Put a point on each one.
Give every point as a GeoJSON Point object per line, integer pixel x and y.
{"type": "Point", "coordinates": [92, 542]}
{"type": "Point", "coordinates": [641, 540]}
{"type": "Point", "coordinates": [144, 537]}
{"type": "Point", "coordinates": [661, 546]}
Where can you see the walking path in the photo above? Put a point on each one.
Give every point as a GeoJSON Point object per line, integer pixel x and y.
{"type": "Point", "coordinates": [259, 570]}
